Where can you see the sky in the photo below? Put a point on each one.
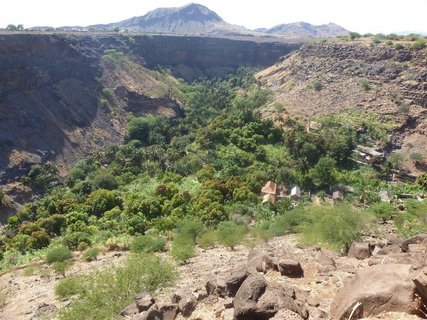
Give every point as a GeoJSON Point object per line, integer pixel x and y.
{"type": "Point", "coordinates": [363, 16]}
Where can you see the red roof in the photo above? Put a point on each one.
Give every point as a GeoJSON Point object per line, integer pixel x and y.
{"type": "Point", "coordinates": [269, 188]}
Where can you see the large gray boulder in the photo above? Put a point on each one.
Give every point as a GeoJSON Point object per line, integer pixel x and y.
{"type": "Point", "coordinates": [258, 300]}
{"type": "Point", "coordinates": [377, 289]}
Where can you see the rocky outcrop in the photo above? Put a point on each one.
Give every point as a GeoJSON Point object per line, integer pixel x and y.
{"type": "Point", "coordinates": [381, 288]}
{"type": "Point", "coordinates": [51, 98]}
{"type": "Point", "coordinates": [356, 77]}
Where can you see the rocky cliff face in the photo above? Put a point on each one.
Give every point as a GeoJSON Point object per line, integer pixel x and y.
{"type": "Point", "coordinates": [63, 96]}
{"type": "Point", "coordinates": [333, 77]}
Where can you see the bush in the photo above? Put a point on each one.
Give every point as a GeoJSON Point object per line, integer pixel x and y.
{"type": "Point", "coordinates": [38, 240]}
{"type": "Point", "coordinates": [103, 294]}
{"type": "Point", "coordinates": [354, 35]}
{"type": "Point", "coordinates": [70, 287]}
{"type": "Point", "coordinates": [61, 267]}
{"type": "Point", "coordinates": [422, 180]}
{"type": "Point", "coordinates": [105, 180]}
{"type": "Point", "coordinates": [207, 240]}
{"type": "Point", "coordinates": [183, 248]}
{"type": "Point", "coordinates": [335, 227]}
{"type": "Point", "coordinates": [398, 46]}
{"type": "Point", "coordinates": [419, 44]}
{"type": "Point", "coordinates": [103, 200]}
{"type": "Point", "coordinates": [191, 229]}
{"type": "Point", "coordinates": [383, 211]}
{"type": "Point", "coordinates": [317, 85]}
{"type": "Point", "coordinates": [90, 254]}
{"type": "Point", "coordinates": [147, 243]}
{"type": "Point", "coordinates": [74, 240]}
{"type": "Point", "coordinates": [230, 234]}
{"type": "Point", "coordinates": [121, 243]}
{"type": "Point", "coordinates": [365, 85]}
{"type": "Point", "coordinates": [58, 254]}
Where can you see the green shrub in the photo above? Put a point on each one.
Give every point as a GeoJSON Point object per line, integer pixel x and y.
{"type": "Point", "coordinates": [289, 222]}
{"type": "Point", "coordinates": [108, 93]}
{"type": "Point", "coordinates": [58, 254]}
{"type": "Point", "coordinates": [419, 44]}
{"type": "Point", "coordinates": [105, 180]}
{"type": "Point", "coordinates": [90, 254]}
{"type": "Point", "coordinates": [103, 294]}
{"type": "Point", "coordinates": [74, 240]}
{"type": "Point", "coordinates": [422, 180]}
{"type": "Point", "coordinates": [398, 46]}
{"type": "Point", "coordinates": [147, 243]}
{"type": "Point", "coordinates": [191, 229]}
{"type": "Point", "coordinates": [376, 40]}
{"type": "Point", "coordinates": [383, 211]}
{"type": "Point", "coordinates": [230, 234]}
{"type": "Point", "coordinates": [183, 248]}
{"type": "Point", "coordinates": [263, 232]}
{"type": "Point", "coordinates": [61, 267]}
{"type": "Point", "coordinates": [103, 200]}
{"type": "Point", "coordinates": [365, 85]}
{"type": "Point", "coordinates": [413, 220]}
{"type": "Point", "coordinates": [317, 85]}
{"type": "Point", "coordinates": [335, 227]}
{"type": "Point", "coordinates": [354, 35]}
{"type": "Point", "coordinates": [38, 240]}
{"type": "Point", "coordinates": [70, 287]}
{"type": "Point", "coordinates": [207, 240]}
{"type": "Point", "coordinates": [120, 243]}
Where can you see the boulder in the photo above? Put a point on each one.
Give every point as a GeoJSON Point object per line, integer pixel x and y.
{"type": "Point", "coordinates": [257, 300]}
{"type": "Point", "coordinates": [130, 310]}
{"type": "Point", "coordinates": [168, 311]}
{"type": "Point", "coordinates": [234, 280]}
{"type": "Point", "coordinates": [417, 260]}
{"type": "Point", "coordinates": [261, 262]}
{"type": "Point", "coordinates": [359, 250]}
{"type": "Point", "coordinates": [394, 248]}
{"type": "Point", "coordinates": [185, 300]}
{"type": "Point", "coordinates": [216, 286]}
{"type": "Point", "coordinates": [377, 289]}
{"type": "Point", "coordinates": [290, 268]}
{"type": "Point", "coordinates": [151, 314]}
{"type": "Point", "coordinates": [275, 298]}
{"type": "Point", "coordinates": [286, 314]}
{"type": "Point", "coordinates": [144, 301]}
{"type": "Point", "coordinates": [419, 238]}
{"type": "Point", "coordinates": [326, 263]}
{"type": "Point", "coordinates": [245, 302]}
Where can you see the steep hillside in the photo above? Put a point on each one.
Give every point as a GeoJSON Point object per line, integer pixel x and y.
{"type": "Point", "coordinates": [306, 30]}
{"type": "Point", "coordinates": [64, 96]}
{"type": "Point", "coordinates": [357, 78]}
{"type": "Point", "coordinates": [190, 19]}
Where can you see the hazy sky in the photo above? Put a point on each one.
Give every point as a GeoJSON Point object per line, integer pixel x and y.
{"type": "Point", "coordinates": [363, 16]}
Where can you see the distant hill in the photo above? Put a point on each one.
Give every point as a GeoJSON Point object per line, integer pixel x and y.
{"type": "Point", "coordinates": [191, 19]}
{"type": "Point", "coordinates": [306, 30]}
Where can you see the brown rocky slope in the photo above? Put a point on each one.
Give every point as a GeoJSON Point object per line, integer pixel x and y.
{"type": "Point", "coordinates": [60, 99]}
{"type": "Point", "coordinates": [335, 77]}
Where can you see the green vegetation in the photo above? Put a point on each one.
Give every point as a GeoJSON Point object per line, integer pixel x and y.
{"type": "Point", "coordinates": [317, 85]}
{"type": "Point", "coordinates": [12, 27]}
{"type": "Point", "coordinates": [365, 85]}
{"type": "Point", "coordinates": [148, 243]}
{"type": "Point", "coordinates": [336, 227]}
{"type": "Point", "coordinates": [419, 44]}
{"type": "Point", "coordinates": [354, 35]}
{"type": "Point", "coordinates": [197, 178]}
{"type": "Point", "coordinates": [90, 254]}
{"type": "Point", "coordinates": [103, 294]}
{"type": "Point", "coordinates": [58, 254]}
